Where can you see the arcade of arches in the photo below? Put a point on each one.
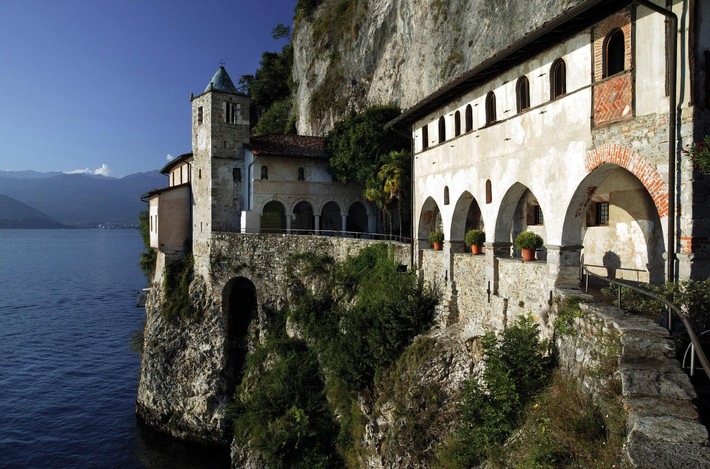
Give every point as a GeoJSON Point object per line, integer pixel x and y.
{"type": "Point", "coordinates": [612, 225]}
{"type": "Point", "coordinates": [302, 218]}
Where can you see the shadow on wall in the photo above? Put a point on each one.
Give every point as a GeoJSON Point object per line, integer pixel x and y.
{"type": "Point", "coordinates": [612, 263]}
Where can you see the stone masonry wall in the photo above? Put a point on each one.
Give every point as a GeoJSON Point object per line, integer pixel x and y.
{"type": "Point", "coordinates": [662, 423]}
{"type": "Point", "coordinates": [184, 384]}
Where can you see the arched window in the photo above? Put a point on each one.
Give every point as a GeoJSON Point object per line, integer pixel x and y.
{"type": "Point", "coordinates": [442, 129]}
{"type": "Point", "coordinates": [558, 79]}
{"type": "Point", "coordinates": [490, 108]}
{"type": "Point", "coordinates": [425, 137]}
{"type": "Point", "coordinates": [446, 195]}
{"type": "Point", "coordinates": [522, 93]}
{"type": "Point", "coordinates": [469, 118]}
{"type": "Point", "coordinates": [264, 172]}
{"type": "Point", "coordinates": [301, 174]}
{"type": "Point", "coordinates": [489, 192]}
{"type": "Point", "coordinates": [457, 123]}
{"type": "Point", "coordinates": [614, 53]}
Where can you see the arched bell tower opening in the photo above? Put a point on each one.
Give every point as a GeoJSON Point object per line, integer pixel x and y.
{"type": "Point", "coordinates": [240, 309]}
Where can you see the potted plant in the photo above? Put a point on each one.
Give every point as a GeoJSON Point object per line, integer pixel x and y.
{"type": "Point", "coordinates": [700, 154]}
{"type": "Point", "coordinates": [475, 239]}
{"type": "Point", "coordinates": [436, 238]}
{"type": "Point", "coordinates": [528, 242]}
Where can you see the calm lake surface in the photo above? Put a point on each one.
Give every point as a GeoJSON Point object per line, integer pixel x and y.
{"type": "Point", "coordinates": [68, 378]}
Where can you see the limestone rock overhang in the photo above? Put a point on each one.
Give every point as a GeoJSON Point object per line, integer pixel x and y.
{"type": "Point", "coordinates": [289, 146]}
{"type": "Point", "coordinates": [564, 26]}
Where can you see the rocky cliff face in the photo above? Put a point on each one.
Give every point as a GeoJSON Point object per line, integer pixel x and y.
{"type": "Point", "coordinates": [353, 54]}
{"type": "Point", "coordinates": [182, 390]}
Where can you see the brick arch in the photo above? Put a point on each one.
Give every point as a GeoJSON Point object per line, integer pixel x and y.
{"type": "Point", "coordinates": [636, 165]}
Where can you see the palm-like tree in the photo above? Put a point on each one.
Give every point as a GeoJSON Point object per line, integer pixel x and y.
{"type": "Point", "coordinates": [393, 177]}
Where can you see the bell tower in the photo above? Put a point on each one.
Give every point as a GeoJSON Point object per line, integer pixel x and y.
{"type": "Point", "coordinates": [220, 128]}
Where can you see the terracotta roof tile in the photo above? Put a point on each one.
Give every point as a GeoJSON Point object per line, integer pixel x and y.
{"type": "Point", "coordinates": [298, 146]}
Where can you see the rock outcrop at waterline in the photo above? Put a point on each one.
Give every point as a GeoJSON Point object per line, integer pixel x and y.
{"type": "Point", "coordinates": [182, 390]}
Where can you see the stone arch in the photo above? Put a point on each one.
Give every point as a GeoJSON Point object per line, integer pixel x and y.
{"type": "Point", "coordinates": [636, 165]}
{"type": "Point", "coordinates": [516, 214]}
{"type": "Point", "coordinates": [358, 218]}
{"type": "Point", "coordinates": [330, 217]}
{"type": "Point", "coordinates": [429, 220]}
{"type": "Point", "coordinates": [240, 307]}
{"type": "Point", "coordinates": [466, 216]}
{"type": "Point", "coordinates": [631, 243]}
{"type": "Point", "coordinates": [302, 216]}
{"type": "Point", "coordinates": [273, 217]}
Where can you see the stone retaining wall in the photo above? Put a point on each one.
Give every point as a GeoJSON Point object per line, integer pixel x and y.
{"type": "Point", "coordinates": [663, 429]}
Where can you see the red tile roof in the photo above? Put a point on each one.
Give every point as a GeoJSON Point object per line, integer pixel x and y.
{"type": "Point", "coordinates": [298, 146]}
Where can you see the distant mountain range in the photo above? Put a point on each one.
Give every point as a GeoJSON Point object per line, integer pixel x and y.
{"type": "Point", "coordinates": [77, 200]}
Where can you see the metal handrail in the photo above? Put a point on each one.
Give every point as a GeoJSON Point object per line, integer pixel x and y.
{"type": "Point", "coordinates": [688, 327]}
{"type": "Point", "coordinates": [339, 234]}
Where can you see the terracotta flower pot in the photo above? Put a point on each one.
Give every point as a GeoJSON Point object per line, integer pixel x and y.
{"type": "Point", "coordinates": [438, 246]}
{"type": "Point", "coordinates": [528, 254]}
{"type": "Point", "coordinates": [476, 249]}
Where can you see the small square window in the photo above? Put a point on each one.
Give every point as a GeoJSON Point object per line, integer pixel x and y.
{"type": "Point", "coordinates": [602, 213]}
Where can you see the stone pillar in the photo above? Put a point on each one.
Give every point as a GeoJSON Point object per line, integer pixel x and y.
{"type": "Point", "coordinates": [344, 221]}
{"type": "Point", "coordinates": [564, 263]}
{"type": "Point", "coordinates": [493, 251]}
{"type": "Point", "coordinates": [316, 224]}
{"type": "Point", "coordinates": [288, 223]}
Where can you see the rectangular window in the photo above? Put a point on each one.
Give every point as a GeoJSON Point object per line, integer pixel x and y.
{"type": "Point", "coordinates": [538, 217]}
{"type": "Point", "coordinates": [237, 174]}
{"type": "Point", "coordinates": [602, 215]}
{"type": "Point", "coordinates": [199, 115]}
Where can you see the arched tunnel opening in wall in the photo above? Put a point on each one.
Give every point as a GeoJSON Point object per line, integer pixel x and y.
{"type": "Point", "coordinates": [240, 308]}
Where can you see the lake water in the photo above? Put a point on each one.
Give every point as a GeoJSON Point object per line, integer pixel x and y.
{"type": "Point", "coordinates": [68, 378]}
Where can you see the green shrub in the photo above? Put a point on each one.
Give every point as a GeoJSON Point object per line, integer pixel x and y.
{"type": "Point", "coordinates": [436, 237]}
{"type": "Point", "coordinates": [176, 287]}
{"type": "Point", "coordinates": [281, 411]}
{"type": "Point", "coordinates": [360, 327]}
{"type": "Point", "coordinates": [567, 311]}
{"type": "Point", "coordinates": [149, 255]}
{"type": "Point", "coordinates": [517, 368]}
{"type": "Point", "coordinates": [566, 428]}
{"type": "Point", "coordinates": [474, 238]}
{"type": "Point", "coordinates": [528, 240]}
{"type": "Point", "coordinates": [692, 296]}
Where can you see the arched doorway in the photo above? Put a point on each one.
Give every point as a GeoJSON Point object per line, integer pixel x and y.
{"type": "Point", "coordinates": [357, 218]}
{"type": "Point", "coordinates": [616, 221]}
{"type": "Point", "coordinates": [240, 309]}
{"type": "Point", "coordinates": [302, 217]}
{"type": "Point", "coordinates": [429, 220]}
{"type": "Point", "coordinates": [273, 218]}
{"type": "Point", "coordinates": [467, 216]}
{"type": "Point", "coordinates": [330, 219]}
{"type": "Point", "coordinates": [520, 211]}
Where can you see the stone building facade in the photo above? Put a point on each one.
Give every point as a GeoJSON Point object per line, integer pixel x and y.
{"type": "Point", "coordinates": [569, 133]}
{"type": "Point", "coordinates": [232, 182]}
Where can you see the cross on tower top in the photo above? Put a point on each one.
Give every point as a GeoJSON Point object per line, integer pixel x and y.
{"type": "Point", "coordinates": [221, 63]}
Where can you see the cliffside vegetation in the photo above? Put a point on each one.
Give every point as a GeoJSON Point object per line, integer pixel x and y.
{"type": "Point", "coordinates": [271, 89]}
{"type": "Point", "coordinates": [177, 277]}
{"type": "Point", "coordinates": [362, 150]}
{"type": "Point", "coordinates": [149, 255]}
{"type": "Point", "coordinates": [355, 319]}
{"type": "Point", "coordinates": [517, 368]}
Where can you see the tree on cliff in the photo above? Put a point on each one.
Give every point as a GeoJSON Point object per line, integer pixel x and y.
{"type": "Point", "coordinates": [362, 150]}
{"type": "Point", "coordinates": [270, 89]}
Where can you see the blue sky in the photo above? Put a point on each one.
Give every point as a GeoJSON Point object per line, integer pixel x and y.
{"type": "Point", "coordinates": [104, 85]}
